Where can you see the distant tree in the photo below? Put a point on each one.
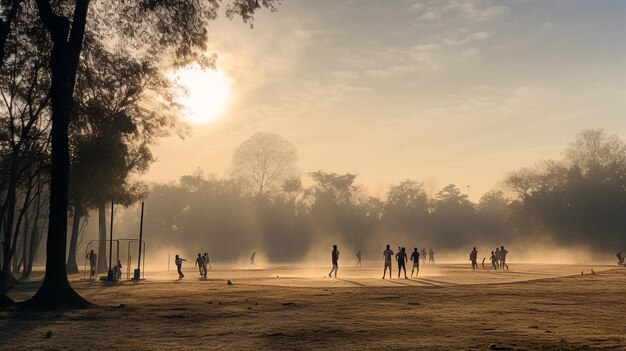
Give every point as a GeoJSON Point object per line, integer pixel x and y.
{"type": "Point", "coordinates": [580, 199]}
{"type": "Point", "coordinates": [265, 161]}
{"type": "Point", "coordinates": [454, 217]}
{"type": "Point", "coordinates": [406, 208]}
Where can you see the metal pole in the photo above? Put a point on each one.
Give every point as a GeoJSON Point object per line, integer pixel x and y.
{"type": "Point", "coordinates": [137, 274]}
{"type": "Point", "coordinates": [110, 275]}
{"type": "Point", "coordinates": [140, 237]}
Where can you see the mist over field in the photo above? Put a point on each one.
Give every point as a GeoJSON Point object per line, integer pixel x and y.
{"type": "Point", "coordinates": [558, 211]}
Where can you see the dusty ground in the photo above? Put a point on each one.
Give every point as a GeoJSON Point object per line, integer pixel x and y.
{"type": "Point", "coordinates": [449, 307]}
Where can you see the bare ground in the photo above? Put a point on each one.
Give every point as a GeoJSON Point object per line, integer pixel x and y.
{"type": "Point", "coordinates": [450, 307]}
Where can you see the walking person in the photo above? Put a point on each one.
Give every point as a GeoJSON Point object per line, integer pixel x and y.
{"type": "Point", "coordinates": [431, 256]}
{"type": "Point", "coordinates": [474, 257]}
{"type": "Point", "coordinates": [200, 263]}
{"type": "Point", "coordinates": [402, 260]}
{"type": "Point", "coordinates": [358, 258]}
{"type": "Point", "coordinates": [179, 266]}
{"type": "Point", "coordinates": [498, 256]}
{"type": "Point", "coordinates": [93, 258]}
{"type": "Point", "coordinates": [494, 260]}
{"type": "Point", "coordinates": [424, 254]}
{"type": "Point", "coordinates": [252, 258]}
{"type": "Point", "coordinates": [415, 258]}
{"type": "Point", "coordinates": [335, 260]}
{"type": "Point", "coordinates": [387, 254]}
{"type": "Point", "coordinates": [503, 253]}
{"type": "Point", "coordinates": [205, 261]}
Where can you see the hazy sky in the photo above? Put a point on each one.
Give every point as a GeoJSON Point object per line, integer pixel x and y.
{"type": "Point", "coordinates": [458, 91]}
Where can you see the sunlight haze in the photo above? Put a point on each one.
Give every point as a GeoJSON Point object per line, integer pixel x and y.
{"type": "Point", "coordinates": [451, 91]}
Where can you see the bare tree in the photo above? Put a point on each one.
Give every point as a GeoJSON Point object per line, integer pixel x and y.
{"type": "Point", "coordinates": [264, 161]}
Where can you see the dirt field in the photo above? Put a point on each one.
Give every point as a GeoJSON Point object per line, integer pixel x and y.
{"type": "Point", "coordinates": [449, 307]}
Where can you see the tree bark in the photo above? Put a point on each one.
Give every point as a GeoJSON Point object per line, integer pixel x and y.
{"type": "Point", "coordinates": [72, 266]}
{"type": "Point", "coordinates": [56, 291]}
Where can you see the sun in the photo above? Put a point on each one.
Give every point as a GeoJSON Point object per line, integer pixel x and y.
{"type": "Point", "coordinates": [204, 93]}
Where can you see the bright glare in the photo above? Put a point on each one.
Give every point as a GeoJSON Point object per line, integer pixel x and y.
{"type": "Point", "coordinates": [205, 94]}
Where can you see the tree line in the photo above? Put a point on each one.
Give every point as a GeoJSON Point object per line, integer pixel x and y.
{"type": "Point", "coordinates": [579, 200]}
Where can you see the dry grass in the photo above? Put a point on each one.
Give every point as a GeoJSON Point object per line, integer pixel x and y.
{"type": "Point", "coordinates": [451, 308]}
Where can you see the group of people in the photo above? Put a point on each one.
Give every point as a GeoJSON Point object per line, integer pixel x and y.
{"type": "Point", "coordinates": [498, 258]}
{"type": "Point", "coordinates": [401, 258]}
{"type": "Point", "coordinates": [93, 259]}
{"type": "Point", "coordinates": [202, 261]}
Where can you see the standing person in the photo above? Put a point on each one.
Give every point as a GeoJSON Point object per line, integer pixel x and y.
{"type": "Point", "coordinates": [498, 256]}
{"type": "Point", "coordinates": [205, 261]}
{"type": "Point", "coordinates": [179, 266]}
{"type": "Point", "coordinates": [620, 258]}
{"type": "Point", "coordinates": [402, 259]}
{"type": "Point", "coordinates": [424, 255]}
{"type": "Point", "coordinates": [503, 253]}
{"type": "Point", "coordinates": [117, 270]}
{"type": "Point", "coordinates": [431, 256]}
{"type": "Point", "coordinates": [93, 258]}
{"type": "Point", "coordinates": [415, 258]}
{"type": "Point", "coordinates": [335, 260]}
{"type": "Point", "coordinates": [387, 254]}
{"type": "Point", "coordinates": [474, 257]}
{"type": "Point", "coordinates": [200, 263]}
{"type": "Point", "coordinates": [252, 258]}
{"type": "Point", "coordinates": [494, 260]}
{"type": "Point", "coordinates": [358, 258]}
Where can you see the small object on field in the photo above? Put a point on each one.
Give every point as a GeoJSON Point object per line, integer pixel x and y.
{"type": "Point", "coordinates": [48, 334]}
{"type": "Point", "coordinates": [593, 272]}
{"type": "Point", "coordinates": [122, 305]}
{"type": "Point", "coordinates": [289, 304]}
{"type": "Point", "coordinates": [274, 334]}
{"type": "Point", "coordinates": [581, 272]}
{"type": "Point", "coordinates": [229, 282]}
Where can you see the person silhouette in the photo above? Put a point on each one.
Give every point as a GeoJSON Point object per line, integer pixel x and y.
{"type": "Point", "coordinates": [179, 266]}
{"type": "Point", "coordinates": [620, 259]}
{"type": "Point", "coordinates": [335, 260]}
{"type": "Point", "coordinates": [431, 256]}
{"type": "Point", "coordinates": [387, 254]}
{"type": "Point", "coordinates": [415, 258]}
{"type": "Point", "coordinates": [402, 259]}
{"type": "Point", "coordinates": [205, 261]}
{"type": "Point", "coordinates": [93, 258]}
{"type": "Point", "coordinates": [358, 258]}
{"type": "Point", "coordinates": [494, 260]}
{"type": "Point", "coordinates": [252, 258]}
{"type": "Point", "coordinates": [424, 254]}
{"type": "Point", "coordinates": [503, 253]}
{"type": "Point", "coordinates": [498, 256]}
{"type": "Point", "coordinates": [474, 257]}
{"type": "Point", "coordinates": [200, 263]}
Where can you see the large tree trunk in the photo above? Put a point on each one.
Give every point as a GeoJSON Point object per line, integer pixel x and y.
{"type": "Point", "coordinates": [35, 235]}
{"type": "Point", "coordinates": [55, 291]}
{"type": "Point", "coordinates": [7, 230]}
{"type": "Point", "coordinates": [72, 266]}
{"type": "Point", "coordinates": [102, 236]}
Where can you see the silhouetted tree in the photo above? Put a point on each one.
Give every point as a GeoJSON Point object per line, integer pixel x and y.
{"type": "Point", "coordinates": [155, 25]}
{"type": "Point", "coordinates": [264, 161]}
